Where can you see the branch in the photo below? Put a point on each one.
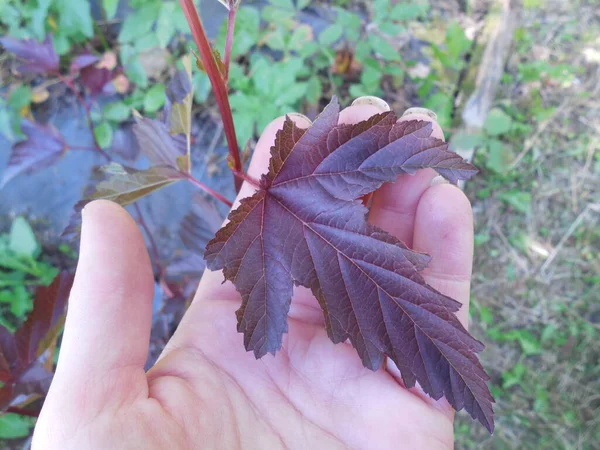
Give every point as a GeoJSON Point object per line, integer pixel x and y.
{"type": "Point", "coordinates": [229, 41]}
{"type": "Point", "coordinates": [216, 80]}
{"type": "Point", "coordinates": [210, 191]}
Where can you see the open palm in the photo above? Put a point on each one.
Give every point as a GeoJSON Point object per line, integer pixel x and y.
{"type": "Point", "coordinates": [206, 391]}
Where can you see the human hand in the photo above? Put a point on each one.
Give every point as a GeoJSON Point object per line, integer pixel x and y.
{"type": "Point", "coordinates": [206, 391]}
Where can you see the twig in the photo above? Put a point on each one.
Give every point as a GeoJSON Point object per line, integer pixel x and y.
{"type": "Point", "coordinates": [144, 225]}
{"type": "Point", "coordinates": [530, 143]}
{"type": "Point", "coordinates": [515, 256]}
{"type": "Point", "coordinates": [229, 41]}
{"type": "Point", "coordinates": [568, 103]}
{"type": "Point", "coordinates": [245, 177]}
{"type": "Point", "coordinates": [155, 253]}
{"type": "Point", "coordinates": [216, 80]}
{"type": "Point", "coordinates": [590, 207]}
{"type": "Point", "coordinates": [208, 190]}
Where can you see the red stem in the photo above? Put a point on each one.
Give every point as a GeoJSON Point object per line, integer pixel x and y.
{"type": "Point", "coordinates": [155, 252]}
{"type": "Point", "coordinates": [244, 176]}
{"type": "Point", "coordinates": [229, 41]}
{"type": "Point", "coordinates": [21, 411]}
{"type": "Point", "coordinates": [216, 80]}
{"type": "Point", "coordinates": [208, 190]}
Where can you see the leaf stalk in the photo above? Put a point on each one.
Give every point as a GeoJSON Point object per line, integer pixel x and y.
{"type": "Point", "coordinates": [217, 81]}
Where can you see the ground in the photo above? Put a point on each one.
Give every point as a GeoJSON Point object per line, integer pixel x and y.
{"type": "Point", "coordinates": [536, 293]}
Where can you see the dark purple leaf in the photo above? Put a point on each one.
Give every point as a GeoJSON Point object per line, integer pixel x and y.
{"type": "Point", "coordinates": [37, 57]}
{"type": "Point", "coordinates": [158, 144]}
{"type": "Point", "coordinates": [201, 224]}
{"type": "Point", "coordinates": [25, 355]}
{"type": "Point", "coordinates": [45, 321]}
{"type": "Point", "coordinates": [124, 185]}
{"type": "Point", "coordinates": [95, 79]}
{"type": "Point", "coordinates": [192, 265]}
{"type": "Point", "coordinates": [82, 61]}
{"type": "Point", "coordinates": [177, 114]}
{"type": "Point", "coordinates": [43, 147]}
{"type": "Point", "coordinates": [306, 226]}
{"type": "Point", "coordinates": [179, 87]}
{"type": "Point", "coordinates": [125, 144]}
{"type": "Point", "coordinates": [73, 228]}
{"type": "Point", "coordinates": [9, 356]}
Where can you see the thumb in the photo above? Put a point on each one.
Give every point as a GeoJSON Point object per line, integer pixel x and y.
{"type": "Point", "coordinates": [107, 330]}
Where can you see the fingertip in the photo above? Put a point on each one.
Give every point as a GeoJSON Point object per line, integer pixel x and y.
{"type": "Point", "coordinates": [358, 112]}
{"type": "Point", "coordinates": [437, 131]}
{"type": "Point", "coordinates": [444, 230]}
{"type": "Point", "coordinates": [262, 153]}
{"type": "Point", "coordinates": [104, 209]}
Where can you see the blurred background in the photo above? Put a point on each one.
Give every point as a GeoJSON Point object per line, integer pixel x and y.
{"type": "Point", "coordinates": [515, 85]}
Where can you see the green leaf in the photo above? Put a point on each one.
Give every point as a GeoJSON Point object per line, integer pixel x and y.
{"type": "Point", "coordinates": [75, 17]}
{"type": "Point", "coordinates": [22, 241]}
{"type": "Point", "coordinates": [275, 39]}
{"type": "Point", "coordinates": [139, 23]}
{"type": "Point", "coordinates": [301, 36]}
{"type": "Point", "coordinates": [301, 4]}
{"type": "Point", "coordinates": [314, 90]}
{"type": "Point", "coordinates": [165, 27]}
{"type": "Point", "coordinates": [38, 19]}
{"type": "Point", "coordinates": [499, 156]}
{"type": "Point", "coordinates": [110, 8]}
{"type": "Point", "coordinates": [14, 426]}
{"type": "Point", "coordinates": [392, 29]}
{"type": "Point", "coordinates": [358, 90]}
{"type": "Point", "coordinates": [21, 302]}
{"type": "Point", "coordinates": [457, 42]}
{"type": "Point", "coordinates": [155, 98]}
{"type": "Point", "coordinates": [408, 11]}
{"type": "Point", "coordinates": [441, 104]}
{"type": "Point", "coordinates": [370, 78]}
{"type": "Point", "coordinates": [126, 185]}
{"type": "Point", "coordinates": [384, 48]}
{"type": "Point", "coordinates": [202, 86]}
{"type": "Point", "coordinates": [117, 112]}
{"type": "Point", "coordinates": [497, 122]}
{"type": "Point", "coordinates": [331, 34]}
{"type": "Point", "coordinates": [104, 134]}
{"type": "Point", "coordinates": [247, 27]}
{"type": "Point", "coordinates": [136, 73]}
{"type": "Point", "coordinates": [19, 97]}
{"type": "Point", "coordinates": [466, 141]}
{"type": "Point", "coordinates": [292, 95]}
{"type": "Point", "coordinates": [285, 4]}
{"type": "Point", "coordinates": [520, 201]}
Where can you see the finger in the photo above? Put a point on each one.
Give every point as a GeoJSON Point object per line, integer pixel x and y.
{"type": "Point", "coordinates": [395, 204]}
{"type": "Point", "coordinates": [107, 329]}
{"type": "Point", "coordinates": [444, 230]}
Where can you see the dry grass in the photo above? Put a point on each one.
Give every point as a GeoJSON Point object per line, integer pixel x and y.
{"type": "Point", "coordinates": [540, 270]}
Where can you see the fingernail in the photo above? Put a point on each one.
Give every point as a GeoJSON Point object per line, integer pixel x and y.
{"type": "Point", "coordinates": [378, 103]}
{"type": "Point", "coordinates": [438, 180]}
{"type": "Point", "coordinates": [300, 116]}
{"type": "Point", "coordinates": [425, 111]}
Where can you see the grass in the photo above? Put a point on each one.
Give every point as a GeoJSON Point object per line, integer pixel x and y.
{"type": "Point", "coordinates": [536, 289]}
